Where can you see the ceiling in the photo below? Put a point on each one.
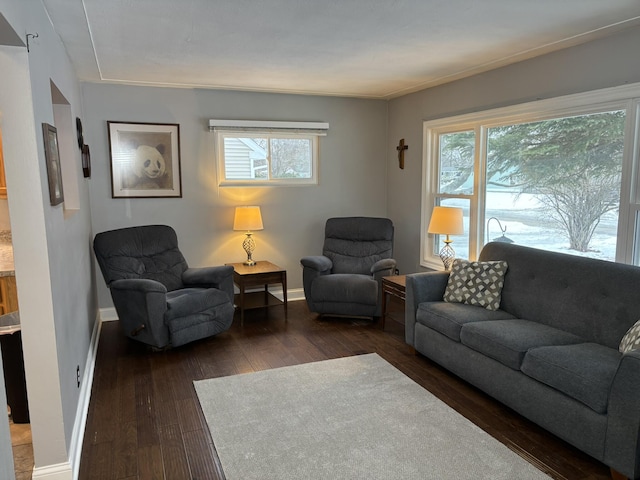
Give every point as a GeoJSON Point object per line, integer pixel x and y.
{"type": "Point", "coordinates": [358, 48]}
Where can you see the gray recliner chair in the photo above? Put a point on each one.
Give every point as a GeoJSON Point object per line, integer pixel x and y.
{"type": "Point", "coordinates": [346, 279]}
{"type": "Point", "coordinates": [160, 301]}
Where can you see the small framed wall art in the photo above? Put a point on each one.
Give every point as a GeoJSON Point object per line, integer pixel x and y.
{"type": "Point", "coordinates": [84, 150]}
{"type": "Point", "coordinates": [145, 159]}
{"type": "Point", "coordinates": [52, 156]}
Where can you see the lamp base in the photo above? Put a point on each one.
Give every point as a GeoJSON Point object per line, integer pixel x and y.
{"type": "Point", "coordinates": [249, 245]}
{"type": "Point", "coordinates": [447, 255]}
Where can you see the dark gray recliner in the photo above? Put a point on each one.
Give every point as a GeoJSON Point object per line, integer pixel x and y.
{"type": "Point", "coordinates": [160, 301]}
{"type": "Point", "coordinates": [346, 279]}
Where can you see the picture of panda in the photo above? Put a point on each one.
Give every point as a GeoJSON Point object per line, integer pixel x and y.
{"type": "Point", "coordinates": [147, 169]}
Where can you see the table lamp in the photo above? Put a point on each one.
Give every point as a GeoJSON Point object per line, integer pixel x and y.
{"type": "Point", "coordinates": [446, 221]}
{"type": "Point", "coordinates": [248, 219]}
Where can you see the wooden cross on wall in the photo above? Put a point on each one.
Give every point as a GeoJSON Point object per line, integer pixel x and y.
{"type": "Point", "coordinates": [401, 148]}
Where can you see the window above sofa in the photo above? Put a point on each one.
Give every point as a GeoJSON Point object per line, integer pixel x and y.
{"type": "Point", "coordinates": [552, 174]}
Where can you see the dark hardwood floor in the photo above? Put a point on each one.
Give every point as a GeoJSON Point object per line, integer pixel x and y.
{"type": "Point", "coordinates": [144, 420]}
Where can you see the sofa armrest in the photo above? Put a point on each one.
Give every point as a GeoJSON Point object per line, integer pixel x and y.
{"type": "Point", "coordinates": [621, 449]}
{"type": "Point", "coordinates": [383, 268]}
{"type": "Point", "coordinates": [220, 277]}
{"type": "Point", "coordinates": [421, 287]}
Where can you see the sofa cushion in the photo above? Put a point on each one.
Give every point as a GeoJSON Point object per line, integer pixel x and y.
{"type": "Point", "coordinates": [448, 318]}
{"type": "Point", "coordinates": [476, 283]}
{"type": "Point", "coordinates": [507, 341]}
{"type": "Point", "coordinates": [583, 371]}
{"type": "Point", "coordinates": [631, 339]}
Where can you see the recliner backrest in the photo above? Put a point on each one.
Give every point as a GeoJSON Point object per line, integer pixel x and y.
{"type": "Point", "coordinates": [354, 244]}
{"type": "Point", "coordinates": [149, 252]}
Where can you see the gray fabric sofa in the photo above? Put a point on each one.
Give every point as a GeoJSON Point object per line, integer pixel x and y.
{"type": "Point", "coordinates": [550, 351]}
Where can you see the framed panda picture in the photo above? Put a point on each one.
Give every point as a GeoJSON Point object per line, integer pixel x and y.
{"type": "Point", "coordinates": [145, 159]}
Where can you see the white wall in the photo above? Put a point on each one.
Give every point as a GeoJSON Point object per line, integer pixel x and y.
{"type": "Point", "coordinates": [51, 248]}
{"type": "Point", "coordinates": [352, 171]}
{"type": "Point", "coordinates": [606, 62]}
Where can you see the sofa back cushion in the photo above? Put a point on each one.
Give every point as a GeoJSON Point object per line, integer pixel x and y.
{"type": "Point", "coordinates": [593, 299]}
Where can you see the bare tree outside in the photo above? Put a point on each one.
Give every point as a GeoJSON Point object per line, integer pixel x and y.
{"type": "Point", "coordinates": [290, 157]}
{"type": "Point", "coordinates": [572, 164]}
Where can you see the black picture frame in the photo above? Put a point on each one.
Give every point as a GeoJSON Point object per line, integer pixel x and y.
{"type": "Point", "coordinates": [54, 170]}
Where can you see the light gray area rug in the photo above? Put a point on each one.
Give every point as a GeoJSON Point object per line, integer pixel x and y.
{"type": "Point", "coordinates": [349, 418]}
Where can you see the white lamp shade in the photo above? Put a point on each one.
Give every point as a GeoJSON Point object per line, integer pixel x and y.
{"type": "Point", "coordinates": [247, 218]}
{"type": "Point", "coordinates": [446, 221]}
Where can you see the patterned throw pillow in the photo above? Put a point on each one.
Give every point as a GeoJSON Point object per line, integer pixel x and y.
{"type": "Point", "coordinates": [631, 339]}
{"type": "Point", "coordinates": [476, 283]}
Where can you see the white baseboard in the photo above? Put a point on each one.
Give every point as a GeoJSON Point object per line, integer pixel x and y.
{"type": "Point", "coordinates": [69, 470]}
{"type": "Point", "coordinates": [108, 314]}
{"type": "Point", "coordinates": [77, 436]}
{"type": "Point", "coordinates": [60, 471]}
{"type": "Point", "coordinates": [293, 295]}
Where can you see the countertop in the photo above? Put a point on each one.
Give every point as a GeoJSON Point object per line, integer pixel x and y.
{"type": "Point", "coordinates": [6, 254]}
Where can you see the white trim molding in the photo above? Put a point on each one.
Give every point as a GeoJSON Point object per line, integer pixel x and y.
{"type": "Point", "coordinates": [60, 471]}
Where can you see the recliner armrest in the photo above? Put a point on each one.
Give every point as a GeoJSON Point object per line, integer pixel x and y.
{"type": "Point", "coordinates": [314, 266]}
{"type": "Point", "coordinates": [143, 285]}
{"type": "Point", "coordinates": [141, 305]}
{"type": "Point", "coordinates": [220, 277]}
{"type": "Point", "coordinates": [383, 268]}
{"type": "Point", "coordinates": [317, 262]}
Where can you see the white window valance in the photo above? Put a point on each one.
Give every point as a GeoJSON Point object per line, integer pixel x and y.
{"type": "Point", "coordinates": [316, 128]}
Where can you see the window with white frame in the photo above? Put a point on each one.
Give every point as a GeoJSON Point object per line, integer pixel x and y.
{"type": "Point", "coordinates": [267, 153]}
{"type": "Point", "coordinates": [557, 174]}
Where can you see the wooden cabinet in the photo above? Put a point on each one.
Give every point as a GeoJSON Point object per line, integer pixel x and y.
{"type": "Point", "coordinates": [8, 295]}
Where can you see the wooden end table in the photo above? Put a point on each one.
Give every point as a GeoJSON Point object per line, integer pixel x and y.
{"type": "Point", "coordinates": [262, 273]}
{"type": "Point", "coordinates": [394, 285]}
